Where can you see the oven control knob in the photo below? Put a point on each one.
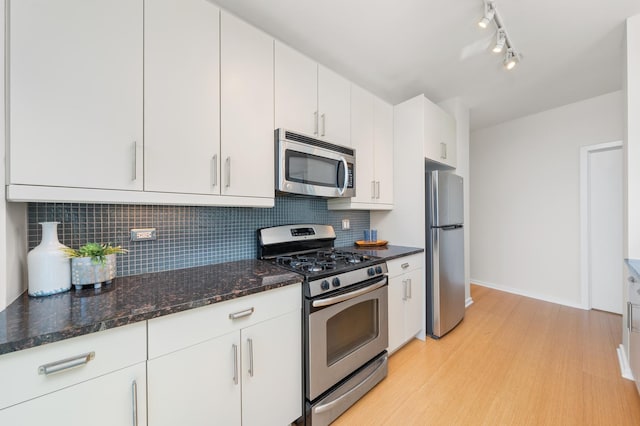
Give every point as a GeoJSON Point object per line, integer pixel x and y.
{"type": "Point", "coordinates": [336, 282]}
{"type": "Point", "coordinates": [324, 285]}
{"type": "Point", "coordinates": [371, 272]}
{"type": "Point", "coordinates": [378, 269]}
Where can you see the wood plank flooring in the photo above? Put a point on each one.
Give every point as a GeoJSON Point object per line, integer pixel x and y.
{"type": "Point", "coordinates": [512, 361]}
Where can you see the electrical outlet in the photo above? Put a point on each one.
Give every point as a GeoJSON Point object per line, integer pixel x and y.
{"type": "Point", "coordinates": [346, 224]}
{"type": "Point", "coordinates": [143, 234]}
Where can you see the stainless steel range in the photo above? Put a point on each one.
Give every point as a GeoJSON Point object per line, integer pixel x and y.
{"type": "Point", "coordinates": [344, 320]}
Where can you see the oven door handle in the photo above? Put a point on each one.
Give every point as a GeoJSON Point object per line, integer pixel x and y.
{"type": "Point", "coordinates": [337, 299]}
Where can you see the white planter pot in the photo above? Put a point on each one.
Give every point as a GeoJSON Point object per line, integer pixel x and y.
{"type": "Point", "coordinates": [84, 271]}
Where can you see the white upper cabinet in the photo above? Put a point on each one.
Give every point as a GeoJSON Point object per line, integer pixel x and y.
{"type": "Point", "coordinates": [334, 93]}
{"type": "Point", "coordinates": [439, 135]}
{"type": "Point", "coordinates": [296, 81]}
{"type": "Point", "coordinates": [75, 93]}
{"type": "Point", "coordinates": [247, 132]}
{"type": "Point", "coordinates": [372, 138]}
{"type": "Point", "coordinates": [310, 98]}
{"type": "Point", "coordinates": [182, 96]}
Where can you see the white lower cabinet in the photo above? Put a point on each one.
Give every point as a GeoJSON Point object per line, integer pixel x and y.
{"type": "Point", "coordinates": [406, 299]}
{"type": "Point", "coordinates": [99, 378]}
{"type": "Point", "coordinates": [247, 370]}
{"type": "Point", "coordinates": [115, 399]}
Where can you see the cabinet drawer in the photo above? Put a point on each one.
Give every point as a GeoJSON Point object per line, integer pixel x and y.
{"type": "Point", "coordinates": [177, 331]}
{"type": "Point", "coordinates": [112, 350]}
{"type": "Point", "coordinates": [405, 264]}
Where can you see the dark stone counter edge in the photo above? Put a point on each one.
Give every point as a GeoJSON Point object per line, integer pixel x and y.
{"type": "Point", "coordinates": [388, 252]}
{"type": "Point", "coordinates": [46, 338]}
{"type": "Point", "coordinates": [634, 267]}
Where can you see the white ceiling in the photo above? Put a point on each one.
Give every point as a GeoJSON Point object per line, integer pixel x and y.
{"type": "Point", "coordinates": [400, 48]}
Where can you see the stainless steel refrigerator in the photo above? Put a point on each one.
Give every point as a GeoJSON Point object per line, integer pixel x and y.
{"type": "Point", "coordinates": [445, 252]}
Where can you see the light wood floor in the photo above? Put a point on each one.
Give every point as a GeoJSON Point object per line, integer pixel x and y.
{"type": "Point", "coordinates": [512, 361]}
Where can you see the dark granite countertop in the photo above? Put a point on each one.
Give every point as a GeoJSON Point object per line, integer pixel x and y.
{"type": "Point", "coordinates": [634, 267]}
{"type": "Point", "coordinates": [387, 252]}
{"type": "Point", "coordinates": [30, 322]}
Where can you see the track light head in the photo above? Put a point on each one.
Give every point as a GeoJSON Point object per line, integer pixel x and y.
{"type": "Point", "coordinates": [511, 59]}
{"type": "Point", "coordinates": [501, 39]}
{"type": "Point", "coordinates": [489, 13]}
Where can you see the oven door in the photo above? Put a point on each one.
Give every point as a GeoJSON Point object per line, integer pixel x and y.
{"type": "Point", "coordinates": [345, 331]}
{"type": "Point", "coordinates": [311, 170]}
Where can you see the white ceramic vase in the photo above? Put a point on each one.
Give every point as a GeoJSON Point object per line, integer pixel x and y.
{"type": "Point", "coordinates": [48, 267]}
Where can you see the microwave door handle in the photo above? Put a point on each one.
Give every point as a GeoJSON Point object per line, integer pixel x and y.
{"type": "Point", "coordinates": [346, 176]}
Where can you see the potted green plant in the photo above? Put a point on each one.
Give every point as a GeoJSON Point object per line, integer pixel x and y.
{"type": "Point", "coordinates": [93, 263]}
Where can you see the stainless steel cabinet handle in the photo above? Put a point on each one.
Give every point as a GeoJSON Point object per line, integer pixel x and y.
{"type": "Point", "coordinates": [228, 172]}
{"type": "Point", "coordinates": [241, 314]}
{"type": "Point", "coordinates": [409, 289]}
{"type": "Point", "coordinates": [134, 402]}
{"type": "Point", "coordinates": [373, 189]}
{"type": "Point", "coordinates": [315, 122]}
{"type": "Point", "coordinates": [324, 125]}
{"type": "Point", "coordinates": [250, 344]}
{"type": "Point", "coordinates": [404, 290]}
{"type": "Point", "coordinates": [629, 316]}
{"type": "Point", "coordinates": [377, 189]}
{"type": "Point", "coordinates": [134, 175]}
{"type": "Point", "coordinates": [404, 265]}
{"type": "Point", "coordinates": [235, 363]}
{"type": "Point", "coordinates": [214, 171]}
{"type": "Point", "coordinates": [66, 364]}
{"type": "Point", "coordinates": [443, 150]}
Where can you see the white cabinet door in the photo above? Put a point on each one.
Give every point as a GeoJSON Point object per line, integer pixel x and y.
{"type": "Point", "coordinates": [383, 148]}
{"type": "Point", "coordinates": [414, 303]}
{"type": "Point", "coordinates": [272, 371]}
{"type": "Point", "coordinates": [113, 399]}
{"type": "Point", "coordinates": [75, 93]}
{"type": "Point", "coordinates": [362, 116]}
{"type": "Point", "coordinates": [198, 385]}
{"type": "Point", "coordinates": [296, 91]}
{"type": "Point", "coordinates": [439, 134]}
{"type": "Point", "coordinates": [247, 132]}
{"type": "Point", "coordinates": [182, 65]}
{"type": "Point", "coordinates": [333, 106]}
{"type": "Point", "coordinates": [396, 312]}
{"type": "Point", "coordinates": [182, 99]}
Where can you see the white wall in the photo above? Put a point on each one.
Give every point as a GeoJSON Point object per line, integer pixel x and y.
{"type": "Point", "coordinates": [461, 113]}
{"type": "Point", "coordinates": [525, 203]}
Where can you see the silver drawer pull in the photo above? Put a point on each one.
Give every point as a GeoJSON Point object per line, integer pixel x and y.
{"type": "Point", "coordinates": [134, 403]}
{"type": "Point", "coordinates": [241, 314]}
{"type": "Point", "coordinates": [404, 265]}
{"type": "Point", "coordinates": [66, 364]}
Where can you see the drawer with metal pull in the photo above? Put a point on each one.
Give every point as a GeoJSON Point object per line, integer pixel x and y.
{"type": "Point", "coordinates": [405, 264]}
{"type": "Point", "coordinates": [176, 331]}
{"type": "Point", "coordinates": [43, 369]}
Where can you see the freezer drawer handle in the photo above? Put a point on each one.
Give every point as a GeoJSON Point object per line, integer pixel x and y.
{"type": "Point", "coordinates": [241, 314]}
{"type": "Point", "coordinates": [66, 364]}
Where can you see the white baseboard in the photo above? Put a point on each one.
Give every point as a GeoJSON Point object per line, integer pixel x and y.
{"type": "Point", "coordinates": [525, 293]}
{"type": "Point", "coordinates": [468, 302]}
{"type": "Point", "coordinates": [625, 369]}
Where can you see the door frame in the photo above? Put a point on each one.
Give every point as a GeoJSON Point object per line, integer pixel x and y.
{"type": "Point", "coordinates": [585, 288]}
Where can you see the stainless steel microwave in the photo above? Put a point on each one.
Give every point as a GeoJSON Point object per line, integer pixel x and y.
{"type": "Point", "coordinates": [310, 166]}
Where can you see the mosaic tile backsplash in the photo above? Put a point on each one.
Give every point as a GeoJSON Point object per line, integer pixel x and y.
{"type": "Point", "coordinates": [187, 236]}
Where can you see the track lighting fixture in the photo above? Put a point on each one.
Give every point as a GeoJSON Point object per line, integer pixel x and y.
{"type": "Point", "coordinates": [501, 39]}
{"type": "Point", "coordinates": [511, 57]}
{"type": "Point", "coordinates": [489, 13]}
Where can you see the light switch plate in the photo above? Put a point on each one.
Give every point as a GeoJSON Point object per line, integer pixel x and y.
{"type": "Point", "coordinates": [143, 234]}
{"type": "Point", "coordinates": [346, 224]}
